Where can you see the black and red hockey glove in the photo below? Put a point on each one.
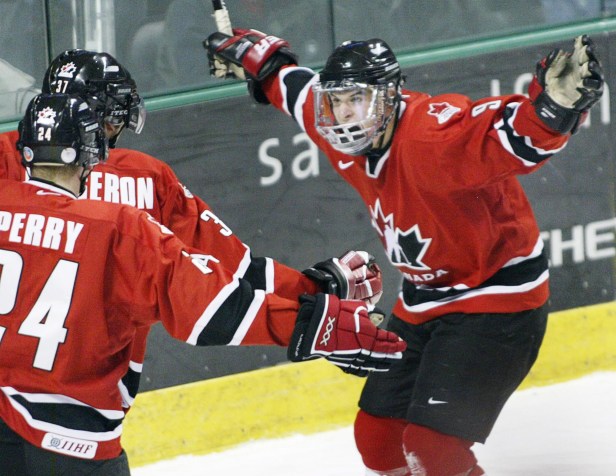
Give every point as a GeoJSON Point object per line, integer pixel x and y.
{"type": "Point", "coordinates": [259, 55]}
{"type": "Point", "coordinates": [566, 85]}
{"type": "Point", "coordinates": [341, 332]}
{"type": "Point", "coordinates": [355, 275]}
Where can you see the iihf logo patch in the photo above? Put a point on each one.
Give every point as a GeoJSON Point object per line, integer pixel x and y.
{"type": "Point", "coordinates": [443, 111]}
{"type": "Point", "coordinates": [46, 117]}
{"type": "Point", "coordinates": [75, 447]}
{"type": "Point", "coordinates": [67, 70]}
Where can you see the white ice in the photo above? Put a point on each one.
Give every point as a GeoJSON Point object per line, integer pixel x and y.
{"type": "Point", "coordinates": [567, 429]}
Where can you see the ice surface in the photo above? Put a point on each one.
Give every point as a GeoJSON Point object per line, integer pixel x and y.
{"type": "Point", "coordinates": [567, 429]}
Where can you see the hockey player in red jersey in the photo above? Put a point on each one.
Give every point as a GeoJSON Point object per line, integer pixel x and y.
{"type": "Point", "coordinates": [78, 278]}
{"type": "Point", "coordinates": [10, 160]}
{"type": "Point", "coordinates": [138, 179]}
{"type": "Point", "coordinates": [438, 177]}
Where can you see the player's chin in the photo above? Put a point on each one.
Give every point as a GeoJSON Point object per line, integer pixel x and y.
{"type": "Point", "coordinates": [113, 130]}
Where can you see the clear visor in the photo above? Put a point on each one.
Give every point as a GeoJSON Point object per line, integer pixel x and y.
{"type": "Point", "coordinates": [349, 114]}
{"type": "Point", "coordinates": [344, 103]}
{"type": "Point", "coordinates": [124, 108]}
{"type": "Point", "coordinates": [136, 114]}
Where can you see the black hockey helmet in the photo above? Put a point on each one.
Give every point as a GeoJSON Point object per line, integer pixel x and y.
{"type": "Point", "coordinates": [103, 82]}
{"type": "Point", "coordinates": [366, 61]}
{"type": "Point", "coordinates": [364, 79]}
{"type": "Point", "coordinates": [61, 129]}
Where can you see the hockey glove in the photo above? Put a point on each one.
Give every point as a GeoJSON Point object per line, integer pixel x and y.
{"type": "Point", "coordinates": [567, 85]}
{"type": "Point", "coordinates": [341, 332]}
{"type": "Point", "coordinates": [354, 275]}
{"type": "Point", "coordinates": [259, 55]}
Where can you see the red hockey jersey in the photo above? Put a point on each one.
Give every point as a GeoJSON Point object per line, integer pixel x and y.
{"type": "Point", "coordinates": [444, 197]}
{"type": "Point", "coordinates": [10, 158]}
{"type": "Point", "coordinates": [78, 279]}
{"type": "Point", "coordinates": [134, 178]}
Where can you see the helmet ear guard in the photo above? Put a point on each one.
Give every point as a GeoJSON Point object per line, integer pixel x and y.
{"type": "Point", "coordinates": [358, 69]}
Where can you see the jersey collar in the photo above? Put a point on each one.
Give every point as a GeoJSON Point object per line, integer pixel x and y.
{"type": "Point", "coordinates": [49, 186]}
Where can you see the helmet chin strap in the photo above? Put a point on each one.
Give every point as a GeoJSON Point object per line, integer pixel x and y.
{"type": "Point", "coordinates": [113, 140]}
{"type": "Point", "coordinates": [85, 173]}
{"type": "Point", "coordinates": [384, 140]}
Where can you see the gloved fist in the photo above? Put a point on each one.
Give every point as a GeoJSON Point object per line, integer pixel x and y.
{"type": "Point", "coordinates": [567, 85]}
{"type": "Point", "coordinates": [574, 80]}
{"type": "Point", "coordinates": [354, 275]}
{"type": "Point", "coordinates": [222, 69]}
{"type": "Point", "coordinates": [254, 53]}
{"type": "Point", "coordinates": [341, 332]}
{"type": "Point", "coordinates": [220, 66]}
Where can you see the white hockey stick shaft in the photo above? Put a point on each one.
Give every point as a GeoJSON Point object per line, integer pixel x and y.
{"type": "Point", "coordinates": [223, 23]}
{"type": "Point", "coordinates": [221, 15]}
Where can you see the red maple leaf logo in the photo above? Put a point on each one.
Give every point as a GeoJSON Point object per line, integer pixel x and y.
{"type": "Point", "coordinates": [443, 111]}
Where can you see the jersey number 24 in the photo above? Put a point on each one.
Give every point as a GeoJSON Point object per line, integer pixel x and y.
{"type": "Point", "coordinates": [45, 320]}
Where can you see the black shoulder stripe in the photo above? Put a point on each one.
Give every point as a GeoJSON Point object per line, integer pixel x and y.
{"type": "Point", "coordinates": [518, 143]}
{"type": "Point", "coordinates": [294, 82]}
{"type": "Point", "coordinates": [255, 274]}
{"type": "Point", "coordinates": [227, 319]}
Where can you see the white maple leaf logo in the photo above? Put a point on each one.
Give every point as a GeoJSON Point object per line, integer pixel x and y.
{"type": "Point", "coordinates": [404, 248]}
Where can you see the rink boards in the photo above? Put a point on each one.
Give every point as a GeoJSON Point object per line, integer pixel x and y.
{"type": "Point", "coordinates": [216, 414]}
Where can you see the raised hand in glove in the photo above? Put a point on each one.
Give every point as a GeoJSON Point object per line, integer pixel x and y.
{"type": "Point", "coordinates": [258, 54]}
{"type": "Point", "coordinates": [341, 332]}
{"type": "Point", "coordinates": [567, 85]}
{"type": "Point", "coordinates": [354, 275]}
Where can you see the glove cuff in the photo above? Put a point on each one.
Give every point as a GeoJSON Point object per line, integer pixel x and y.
{"type": "Point", "coordinates": [330, 277]}
{"type": "Point", "coordinates": [309, 316]}
{"type": "Point", "coordinates": [255, 89]}
{"type": "Point", "coordinates": [555, 116]}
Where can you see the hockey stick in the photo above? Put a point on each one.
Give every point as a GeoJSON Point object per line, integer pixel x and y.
{"type": "Point", "coordinates": [221, 16]}
{"type": "Point", "coordinates": [223, 23]}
